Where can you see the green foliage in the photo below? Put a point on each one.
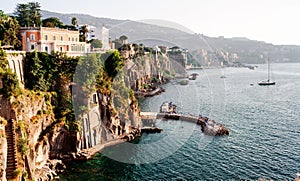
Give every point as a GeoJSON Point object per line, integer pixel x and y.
{"type": "Point", "coordinates": [9, 31]}
{"type": "Point", "coordinates": [9, 79]}
{"type": "Point", "coordinates": [82, 33]}
{"type": "Point", "coordinates": [28, 14]}
{"type": "Point", "coordinates": [16, 173]}
{"type": "Point", "coordinates": [113, 63]}
{"type": "Point", "coordinates": [96, 43]}
{"type": "Point", "coordinates": [3, 60]}
{"type": "Point", "coordinates": [74, 21]}
{"type": "Point", "coordinates": [52, 73]}
{"type": "Point", "coordinates": [23, 146]}
{"type": "Point", "coordinates": [87, 69]}
{"type": "Point", "coordinates": [73, 126]}
{"type": "Point", "coordinates": [103, 82]}
{"type": "Point", "coordinates": [52, 22]}
{"type": "Point", "coordinates": [42, 70]}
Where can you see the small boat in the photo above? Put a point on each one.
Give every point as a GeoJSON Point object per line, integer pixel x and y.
{"type": "Point", "coordinates": [184, 82]}
{"type": "Point", "coordinates": [193, 76]}
{"type": "Point", "coordinates": [167, 107]}
{"type": "Point", "coordinates": [268, 81]}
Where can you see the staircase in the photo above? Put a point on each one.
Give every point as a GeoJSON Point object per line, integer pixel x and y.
{"type": "Point", "coordinates": [12, 162]}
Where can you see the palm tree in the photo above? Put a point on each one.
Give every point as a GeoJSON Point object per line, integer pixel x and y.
{"type": "Point", "coordinates": [74, 21]}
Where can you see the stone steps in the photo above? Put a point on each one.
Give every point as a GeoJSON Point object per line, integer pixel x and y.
{"type": "Point", "coordinates": [12, 161]}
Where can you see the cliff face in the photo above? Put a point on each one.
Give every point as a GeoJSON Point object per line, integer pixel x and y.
{"type": "Point", "coordinates": [37, 136]}
{"type": "Point", "coordinates": [33, 120]}
{"type": "Point", "coordinates": [116, 114]}
{"type": "Point", "coordinates": [3, 149]}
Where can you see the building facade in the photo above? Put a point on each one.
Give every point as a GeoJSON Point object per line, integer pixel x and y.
{"type": "Point", "coordinates": [44, 39]}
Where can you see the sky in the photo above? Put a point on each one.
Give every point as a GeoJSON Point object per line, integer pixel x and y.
{"type": "Point", "coordinates": [272, 21]}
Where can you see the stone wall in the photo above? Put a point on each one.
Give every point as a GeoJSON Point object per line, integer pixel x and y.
{"type": "Point", "coordinates": [15, 63]}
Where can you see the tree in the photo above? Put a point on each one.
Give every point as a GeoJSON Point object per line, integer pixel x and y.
{"type": "Point", "coordinates": [9, 31]}
{"type": "Point", "coordinates": [52, 22]}
{"type": "Point", "coordinates": [28, 14]}
{"type": "Point", "coordinates": [123, 39]}
{"type": "Point", "coordinates": [82, 33]}
{"type": "Point", "coordinates": [35, 13]}
{"type": "Point", "coordinates": [22, 14]}
{"type": "Point", "coordinates": [74, 21]}
{"type": "Point", "coordinates": [113, 63]}
{"type": "Point", "coordinates": [96, 43]}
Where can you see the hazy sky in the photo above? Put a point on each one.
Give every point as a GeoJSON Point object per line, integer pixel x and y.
{"type": "Point", "coordinates": [273, 21]}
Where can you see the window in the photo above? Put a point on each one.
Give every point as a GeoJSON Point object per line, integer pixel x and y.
{"type": "Point", "coordinates": [69, 39]}
{"type": "Point", "coordinates": [72, 39]}
{"type": "Point", "coordinates": [54, 37]}
{"type": "Point", "coordinates": [76, 39]}
{"type": "Point", "coordinates": [61, 49]}
{"type": "Point", "coordinates": [46, 49]}
{"type": "Point", "coordinates": [61, 38]}
{"type": "Point", "coordinates": [32, 37]}
{"type": "Point", "coordinates": [32, 47]}
{"type": "Point", "coordinates": [46, 37]}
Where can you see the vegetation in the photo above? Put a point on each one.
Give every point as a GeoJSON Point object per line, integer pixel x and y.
{"type": "Point", "coordinates": [10, 81]}
{"type": "Point", "coordinates": [96, 43]}
{"type": "Point", "coordinates": [113, 63]}
{"type": "Point", "coordinates": [74, 21]}
{"type": "Point", "coordinates": [9, 31]}
{"type": "Point", "coordinates": [23, 146]}
{"type": "Point", "coordinates": [82, 33]}
{"type": "Point", "coordinates": [52, 22]}
{"type": "Point", "coordinates": [29, 14]}
{"type": "Point", "coordinates": [87, 69]}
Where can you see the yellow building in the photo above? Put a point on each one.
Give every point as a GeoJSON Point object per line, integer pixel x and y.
{"type": "Point", "coordinates": [44, 39]}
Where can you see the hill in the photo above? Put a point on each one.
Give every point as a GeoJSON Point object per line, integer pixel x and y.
{"type": "Point", "coordinates": [248, 51]}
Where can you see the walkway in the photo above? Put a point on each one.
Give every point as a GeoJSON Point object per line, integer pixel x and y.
{"type": "Point", "coordinates": [12, 162]}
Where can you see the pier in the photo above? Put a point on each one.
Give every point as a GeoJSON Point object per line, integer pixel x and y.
{"type": "Point", "coordinates": [208, 126]}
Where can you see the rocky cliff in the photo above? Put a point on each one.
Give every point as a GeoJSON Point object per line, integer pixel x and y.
{"type": "Point", "coordinates": [32, 138]}
{"type": "Point", "coordinates": [33, 128]}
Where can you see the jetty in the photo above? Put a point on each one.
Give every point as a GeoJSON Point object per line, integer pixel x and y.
{"type": "Point", "coordinates": [168, 112]}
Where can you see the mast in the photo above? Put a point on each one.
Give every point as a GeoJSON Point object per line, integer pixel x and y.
{"type": "Point", "coordinates": [268, 69]}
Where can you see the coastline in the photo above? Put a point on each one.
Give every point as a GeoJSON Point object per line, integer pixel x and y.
{"type": "Point", "coordinates": [98, 148]}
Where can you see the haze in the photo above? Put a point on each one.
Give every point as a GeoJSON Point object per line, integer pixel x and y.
{"type": "Point", "coordinates": [272, 21]}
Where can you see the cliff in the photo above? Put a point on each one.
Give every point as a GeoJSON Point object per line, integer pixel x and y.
{"type": "Point", "coordinates": [113, 109]}
{"type": "Point", "coordinates": [32, 117]}
{"type": "Point", "coordinates": [38, 128]}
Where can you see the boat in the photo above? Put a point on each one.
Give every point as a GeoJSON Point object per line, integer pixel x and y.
{"type": "Point", "coordinates": [193, 76]}
{"type": "Point", "coordinates": [183, 82]}
{"type": "Point", "coordinates": [167, 107]}
{"type": "Point", "coordinates": [268, 81]}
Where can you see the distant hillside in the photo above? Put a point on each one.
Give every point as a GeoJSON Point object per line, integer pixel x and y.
{"type": "Point", "coordinates": [248, 51]}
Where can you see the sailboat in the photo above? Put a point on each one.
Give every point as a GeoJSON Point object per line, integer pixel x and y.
{"type": "Point", "coordinates": [223, 71]}
{"type": "Point", "coordinates": [268, 81]}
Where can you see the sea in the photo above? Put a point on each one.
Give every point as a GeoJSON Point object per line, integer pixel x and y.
{"type": "Point", "coordinates": [264, 124]}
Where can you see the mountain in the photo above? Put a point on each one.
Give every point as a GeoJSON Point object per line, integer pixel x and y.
{"type": "Point", "coordinates": [170, 34]}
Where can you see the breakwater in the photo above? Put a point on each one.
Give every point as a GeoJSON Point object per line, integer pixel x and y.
{"type": "Point", "coordinates": [208, 126]}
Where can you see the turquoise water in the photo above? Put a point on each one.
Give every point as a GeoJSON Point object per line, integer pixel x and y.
{"type": "Point", "coordinates": [264, 124]}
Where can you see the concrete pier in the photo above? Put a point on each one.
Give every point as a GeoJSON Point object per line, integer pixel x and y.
{"type": "Point", "coordinates": [208, 126]}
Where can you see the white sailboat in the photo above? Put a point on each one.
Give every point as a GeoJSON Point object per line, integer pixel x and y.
{"type": "Point", "coordinates": [268, 81]}
{"type": "Point", "coordinates": [223, 71]}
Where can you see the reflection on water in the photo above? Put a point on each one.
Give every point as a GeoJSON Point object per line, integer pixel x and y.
{"type": "Point", "coordinates": [264, 124]}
